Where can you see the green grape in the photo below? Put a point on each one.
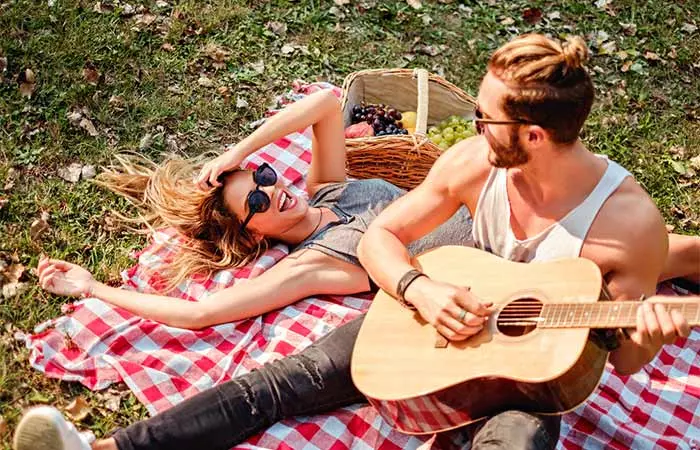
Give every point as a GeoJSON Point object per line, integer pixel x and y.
{"type": "Point", "coordinates": [448, 130]}
{"type": "Point", "coordinates": [433, 131]}
{"type": "Point", "coordinates": [459, 129]}
{"type": "Point", "coordinates": [444, 145]}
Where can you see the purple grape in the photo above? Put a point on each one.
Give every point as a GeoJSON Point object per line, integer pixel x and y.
{"type": "Point", "coordinates": [398, 115]}
{"type": "Point", "coordinates": [399, 124]}
{"type": "Point", "coordinates": [357, 109]}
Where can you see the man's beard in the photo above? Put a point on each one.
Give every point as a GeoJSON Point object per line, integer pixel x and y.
{"type": "Point", "coordinates": [506, 156]}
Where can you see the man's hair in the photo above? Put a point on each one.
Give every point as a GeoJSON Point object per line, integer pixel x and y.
{"type": "Point", "coordinates": [547, 83]}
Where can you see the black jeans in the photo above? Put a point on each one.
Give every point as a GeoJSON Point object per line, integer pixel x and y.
{"type": "Point", "coordinates": [314, 381]}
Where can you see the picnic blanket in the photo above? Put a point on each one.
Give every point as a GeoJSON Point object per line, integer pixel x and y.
{"type": "Point", "coordinates": [97, 345]}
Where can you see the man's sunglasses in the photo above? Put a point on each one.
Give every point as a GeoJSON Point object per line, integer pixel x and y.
{"type": "Point", "coordinates": [257, 200]}
{"type": "Point", "coordinates": [479, 121]}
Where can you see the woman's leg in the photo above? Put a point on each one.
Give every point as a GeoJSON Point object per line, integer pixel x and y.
{"type": "Point", "coordinates": [313, 381]}
{"type": "Point", "coordinates": [683, 259]}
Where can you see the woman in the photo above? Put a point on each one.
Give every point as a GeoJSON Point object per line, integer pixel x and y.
{"type": "Point", "coordinates": [228, 221]}
{"type": "Point", "coordinates": [233, 220]}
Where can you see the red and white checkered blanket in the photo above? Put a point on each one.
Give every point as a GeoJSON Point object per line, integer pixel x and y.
{"type": "Point", "coordinates": [97, 344]}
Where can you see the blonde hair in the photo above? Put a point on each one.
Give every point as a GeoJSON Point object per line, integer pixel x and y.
{"type": "Point", "coordinates": [166, 196]}
{"type": "Point", "coordinates": [548, 84]}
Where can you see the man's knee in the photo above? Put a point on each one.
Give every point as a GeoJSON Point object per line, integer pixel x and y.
{"type": "Point", "coordinates": [517, 430]}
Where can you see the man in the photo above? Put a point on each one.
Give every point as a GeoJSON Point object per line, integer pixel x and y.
{"type": "Point", "coordinates": [550, 174]}
{"type": "Point", "coordinates": [535, 193]}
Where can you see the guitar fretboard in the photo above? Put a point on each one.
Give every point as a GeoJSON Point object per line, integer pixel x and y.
{"type": "Point", "coordinates": [613, 314]}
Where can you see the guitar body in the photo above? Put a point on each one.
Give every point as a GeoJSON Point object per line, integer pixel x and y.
{"type": "Point", "coordinates": [419, 388]}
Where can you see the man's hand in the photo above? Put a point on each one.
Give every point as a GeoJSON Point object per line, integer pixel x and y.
{"type": "Point", "coordinates": [209, 175]}
{"type": "Point", "coordinates": [63, 278]}
{"type": "Point", "coordinates": [454, 311]}
{"type": "Point", "coordinates": [656, 326]}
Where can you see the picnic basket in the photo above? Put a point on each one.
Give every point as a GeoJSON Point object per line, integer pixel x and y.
{"type": "Point", "coordinates": [403, 160]}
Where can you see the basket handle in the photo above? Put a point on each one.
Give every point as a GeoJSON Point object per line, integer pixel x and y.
{"type": "Point", "coordinates": [422, 109]}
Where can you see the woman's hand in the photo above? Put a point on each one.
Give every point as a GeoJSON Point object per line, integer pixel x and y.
{"type": "Point", "coordinates": [209, 175]}
{"type": "Point", "coordinates": [63, 278]}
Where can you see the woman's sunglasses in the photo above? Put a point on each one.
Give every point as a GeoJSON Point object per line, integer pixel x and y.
{"type": "Point", "coordinates": [479, 121]}
{"type": "Point", "coordinates": [257, 200]}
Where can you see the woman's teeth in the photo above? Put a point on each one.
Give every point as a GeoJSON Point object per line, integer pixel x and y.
{"type": "Point", "coordinates": [285, 202]}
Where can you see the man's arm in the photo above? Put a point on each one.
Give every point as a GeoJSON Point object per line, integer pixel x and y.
{"type": "Point", "coordinates": [637, 264]}
{"type": "Point", "coordinates": [457, 175]}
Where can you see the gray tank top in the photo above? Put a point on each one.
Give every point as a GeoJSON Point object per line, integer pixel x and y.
{"type": "Point", "coordinates": [357, 204]}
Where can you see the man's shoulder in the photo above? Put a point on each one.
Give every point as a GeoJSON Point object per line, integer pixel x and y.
{"type": "Point", "coordinates": [627, 231]}
{"type": "Point", "coordinates": [630, 211]}
{"type": "Point", "coordinates": [464, 163]}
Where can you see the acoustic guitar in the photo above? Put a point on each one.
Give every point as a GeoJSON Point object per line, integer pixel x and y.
{"type": "Point", "coordinates": [534, 353]}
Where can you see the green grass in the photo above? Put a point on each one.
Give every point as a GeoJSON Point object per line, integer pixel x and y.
{"type": "Point", "coordinates": [645, 118]}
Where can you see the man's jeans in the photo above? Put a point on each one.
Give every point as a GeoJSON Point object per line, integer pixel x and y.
{"type": "Point", "coordinates": [317, 380]}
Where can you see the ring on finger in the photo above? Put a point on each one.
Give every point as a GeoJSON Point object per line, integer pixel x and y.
{"type": "Point", "coordinates": [462, 315]}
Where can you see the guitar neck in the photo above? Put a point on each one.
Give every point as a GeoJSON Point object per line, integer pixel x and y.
{"type": "Point", "coordinates": [613, 314]}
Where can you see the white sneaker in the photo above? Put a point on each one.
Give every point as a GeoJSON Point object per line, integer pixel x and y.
{"type": "Point", "coordinates": [44, 428]}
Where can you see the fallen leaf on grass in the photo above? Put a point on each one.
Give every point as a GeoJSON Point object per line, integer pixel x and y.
{"type": "Point", "coordinates": [341, 2]}
{"type": "Point", "coordinates": [27, 82]}
{"type": "Point", "coordinates": [39, 227]}
{"type": "Point", "coordinates": [689, 28]}
{"type": "Point", "coordinates": [3, 426]}
{"type": "Point", "coordinates": [218, 54]}
{"type": "Point", "coordinates": [87, 125]}
{"type": "Point", "coordinates": [679, 167]}
{"type": "Point", "coordinates": [532, 15]}
{"type": "Point", "coordinates": [554, 15]}
{"type": "Point", "coordinates": [11, 274]}
{"type": "Point", "coordinates": [10, 178]}
{"type": "Point", "coordinates": [88, 172]}
{"type": "Point", "coordinates": [3, 201]}
{"type": "Point", "coordinates": [626, 66]}
{"type": "Point", "coordinates": [695, 162]}
{"type": "Point", "coordinates": [507, 21]}
{"type": "Point", "coordinates": [91, 74]}
{"type": "Point", "coordinates": [71, 173]}
{"type": "Point", "coordinates": [3, 67]}
{"type": "Point", "coordinates": [78, 409]}
{"type": "Point", "coordinates": [630, 29]}
{"type": "Point", "coordinates": [241, 103]}
{"type": "Point", "coordinates": [144, 20]}
{"type": "Point", "coordinates": [167, 47]}
{"type": "Point", "coordinates": [279, 28]}
{"type": "Point", "coordinates": [651, 56]}
{"type": "Point", "coordinates": [415, 4]}
{"type": "Point", "coordinates": [205, 82]}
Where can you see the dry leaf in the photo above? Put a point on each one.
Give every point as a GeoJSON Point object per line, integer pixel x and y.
{"type": "Point", "coordinates": [241, 103]}
{"type": "Point", "coordinates": [554, 15]}
{"type": "Point", "coordinates": [39, 227]}
{"type": "Point", "coordinates": [3, 202]}
{"type": "Point", "coordinates": [10, 178]}
{"type": "Point", "coordinates": [224, 91]}
{"type": "Point", "coordinates": [78, 409]}
{"type": "Point", "coordinates": [168, 47]}
{"type": "Point", "coordinates": [630, 29]}
{"type": "Point", "coordinates": [415, 4]}
{"type": "Point", "coordinates": [670, 228]}
{"type": "Point", "coordinates": [651, 56]}
{"type": "Point", "coordinates": [427, 50]}
{"type": "Point", "coordinates": [145, 141]}
{"type": "Point", "coordinates": [3, 67]}
{"type": "Point", "coordinates": [287, 49]}
{"type": "Point", "coordinates": [3, 426]}
{"type": "Point", "coordinates": [695, 162]}
{"type": "Point", "coordinates": [205, 81]}
{"type": "Point", "coordinates": [27, 82]}
{"type": "Point", "coordinates": [90, 74]}
{"type": "Point", "coordinates": [86, 124]}
{"type": "Point", "coordinates": [689, 28]}
{"type": "Point", "coordinates": [279, 28]}
{"type": "Point", "coordinates": [341, 2]}
{"type": "Point", "coordinates": [532, 15]}
{"type": "Point", "coordinates": [626, 66]}
{"type": "Point", "coordinates": [116, 101]}
{"type": "Point", "coordinates": [507, 21]}
{"type": "Point", "coordinates": [259, 66]}
{"type": "Point", "coordinates": [11, 272]}
{"type": "Point", "coordinates": [218, 54]}
{"type": "Point", "coordinates": [71, 173]}
{"type": "Point", "coordinates": [88, 172]}
{"type": "Point", "coordinates": [145, 19]}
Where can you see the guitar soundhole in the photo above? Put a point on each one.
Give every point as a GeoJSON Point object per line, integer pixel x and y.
{"type": "Point", "coordinates": [519, 317]}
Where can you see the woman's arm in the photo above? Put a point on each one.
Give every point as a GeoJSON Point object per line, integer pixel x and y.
{"type": "Point", "coordinates": [321, 110]}
{"type": "Point", "coordinates": [298, 276]}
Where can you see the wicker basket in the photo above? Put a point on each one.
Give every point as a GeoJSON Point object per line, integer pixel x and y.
{"type": "Point", "coordinates": [403, 160]}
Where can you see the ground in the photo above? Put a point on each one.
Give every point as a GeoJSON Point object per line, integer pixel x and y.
{"type": "Point", "coordinates": [83, 80]}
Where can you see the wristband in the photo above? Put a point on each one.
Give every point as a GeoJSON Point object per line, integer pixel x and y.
{"type": "Point", "coordinates": [405, 281]}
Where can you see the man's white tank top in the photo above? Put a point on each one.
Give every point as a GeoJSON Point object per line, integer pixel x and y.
{"type": "Point", "coordinates": [563, 239]}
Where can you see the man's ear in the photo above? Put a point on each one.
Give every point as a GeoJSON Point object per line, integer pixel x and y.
{"type": "Point", "coordinates": [536, 135]}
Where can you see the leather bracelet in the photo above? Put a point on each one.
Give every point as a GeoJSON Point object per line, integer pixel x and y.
{"type": "Point", "coordinates": [405, 281]}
